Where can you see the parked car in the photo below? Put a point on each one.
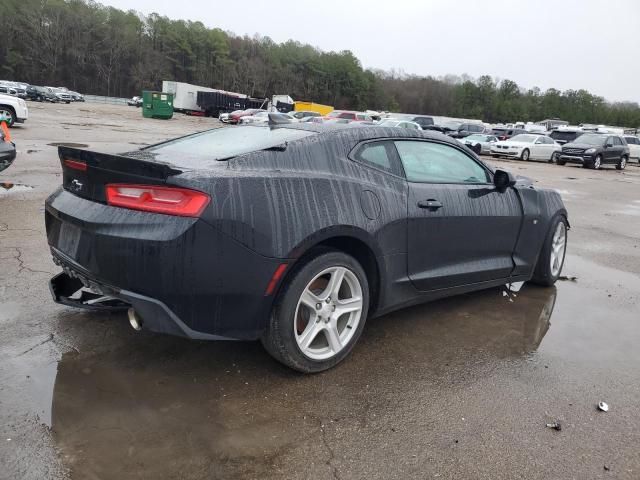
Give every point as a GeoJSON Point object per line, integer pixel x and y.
{"type": "Point", "coordinates": [394, 122]}
{"type": "Point", "coordinates": [13, 108]}
{"type": "Point", "coordinates": [465, 129]}
{"type": "Point", "coordinates": [294, 234]}
{"type": "Point", "coordinates": [349, 115]}
{"type": "Point", "coordinates": [593, 150]}
{"type": "Point", "coordinates": [40, 94]}
{"type": "Point", "coordinates": [301, 114]}
{"type": "Point", "coordinates": [423, 120]}
{"type": "Point", "coordinates": [135, 101]}
{"type": "Point", "coordinates": [526, 146]}
{"type": "Point", "coordinates": [480, 143]}
{"type": "Point", "coordinates": [633, 143]}
{"type": "Point", "coordinates": [61, 95]}
{"type": "Point", "coordinates": [14, 88]}
{"type": "Point", "coordinates": [7, 90]}
{"type": "Point", "coordinates": [77, 97]}
{"type": "Point", "coordinates": [264, 117]}
{"type": "Point", "coordinates": [506, 133]}
{"type": "Point", "coordinates": [235, 117]}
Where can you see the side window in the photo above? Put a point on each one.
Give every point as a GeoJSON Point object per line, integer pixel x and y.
{"type": "Point", "coordinates": [428, 162]}
{"type": "Point", "coordinates": [348, 116]}
{"type": "Point", "coordinates": [378, 155]}
{"type": "Point", "coordinates": [476, 128]}
{"type": "Point", "coordinates": [617, 141]}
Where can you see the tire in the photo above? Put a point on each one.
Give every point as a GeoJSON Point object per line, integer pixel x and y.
{"type": "Point", "coordinates": [597, 162]}
{"type": "Point", "coordinates": [548, 269]}
{"type": "Point", "coordinates": [293, 318]}
{"type": "Point", "coordinates": [560, 162]}
{"type": "Point", "coordinates": [477, 149]}
{"type": "Point", "coordinates": [525, 155]}
{"type": "Point", "coordinates": [622, 164]}
{"type": "Point", "coordinates": [8, 111]}
{"type": "Point", "coordinates": [495, 156]}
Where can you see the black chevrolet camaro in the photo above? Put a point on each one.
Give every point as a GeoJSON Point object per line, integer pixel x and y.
{"type": "Point", "coordinates": [293, 234]}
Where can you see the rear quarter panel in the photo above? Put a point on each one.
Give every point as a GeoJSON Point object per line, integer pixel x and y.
{"type": "Point", "coordinates": [279, 202]}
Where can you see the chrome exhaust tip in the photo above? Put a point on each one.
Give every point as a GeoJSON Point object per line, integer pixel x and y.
{"type": "Point", "coordinates": [134, 320]}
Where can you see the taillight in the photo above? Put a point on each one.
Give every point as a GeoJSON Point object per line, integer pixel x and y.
{"type": "Point", "coordinates": [75, 164]}
{"type": "Point", "coordinates": [156, 199]}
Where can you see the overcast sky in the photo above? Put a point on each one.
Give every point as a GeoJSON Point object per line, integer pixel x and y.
{"type": "Point", "coordinates": [566, 44]}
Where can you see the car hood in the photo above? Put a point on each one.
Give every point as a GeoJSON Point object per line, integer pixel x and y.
{"type": "Point", "coordinates": [580, 145]}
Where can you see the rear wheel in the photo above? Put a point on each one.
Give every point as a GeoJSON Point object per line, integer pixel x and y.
{"type": "Point", "coordinates": [525, 154]}
{"type": "Point", "coordinates": [320, 313]}
{"type": "Point", "coordinates": [477, 148]}
{"type": "Point", "coordinates": [621, 165]}
{"type": "Point", "coordinates": [551, 258]}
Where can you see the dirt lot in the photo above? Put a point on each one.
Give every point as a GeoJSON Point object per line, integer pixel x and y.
{"type": "Point", "coordinates": [460, 388]}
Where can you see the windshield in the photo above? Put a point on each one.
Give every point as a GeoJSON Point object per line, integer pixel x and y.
{"type": "Point", "coordinates": [389, 123]}
{"type": "Point", "coordinates": [228, 142]}
{"type": "Point", "coordinates": [523, 138]}
{"type": "Point", "coordinates": [592, 139]}
{"type": "Point", "coordinates": [335, 114]}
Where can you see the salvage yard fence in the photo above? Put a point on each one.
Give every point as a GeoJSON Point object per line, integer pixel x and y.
{"type": "Point", "coordinates": [110, 100]}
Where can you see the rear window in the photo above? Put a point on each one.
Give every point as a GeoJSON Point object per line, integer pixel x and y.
{"type": "Point", "coordinates": [228, 142]}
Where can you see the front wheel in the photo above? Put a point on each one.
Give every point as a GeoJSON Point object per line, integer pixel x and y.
{"type": "Point", "coordinates": [621, 165]}
{"type": "Point", "coordinates": [525, 154]}
{"type": "Point", "coordinates": [597, 162]}
{"type": "Point", "coordinates": [8, 113]}
{"type": "Point", "coordinates": [551, 258]}
{"type": "Point", "coordinates": [319, 314]}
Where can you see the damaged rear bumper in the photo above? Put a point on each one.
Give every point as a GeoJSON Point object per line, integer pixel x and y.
{"type": "Point", "coordinates": [75, 287]}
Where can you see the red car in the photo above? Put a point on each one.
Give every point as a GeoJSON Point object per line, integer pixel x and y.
{"type": "Point", "coordinates": [349, 115]}
{"type": "Point", "coordinates": [235, 117]}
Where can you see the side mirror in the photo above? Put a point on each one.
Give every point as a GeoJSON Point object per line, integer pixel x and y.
{"type": "Point", "coordinates": [608, 145]}
{"type": "Point", "coordinates": [503, 179]}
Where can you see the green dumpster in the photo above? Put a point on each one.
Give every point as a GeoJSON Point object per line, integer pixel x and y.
{"type": "Point", "coordinates": [157, 104]}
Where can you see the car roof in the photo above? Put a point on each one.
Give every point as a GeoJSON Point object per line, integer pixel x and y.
{"type": "Point", "coordinates": [361, 132]}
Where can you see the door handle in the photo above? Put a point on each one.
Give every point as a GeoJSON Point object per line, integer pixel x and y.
{"type": "Point", "coordinates": [431, 204]}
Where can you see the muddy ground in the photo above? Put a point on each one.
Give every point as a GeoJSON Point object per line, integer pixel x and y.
{"type": "Point", "coordinates": [459, 388]}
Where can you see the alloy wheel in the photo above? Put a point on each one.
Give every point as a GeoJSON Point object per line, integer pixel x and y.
{"type": "Point", "coordinates": [597, 162]}
{"type": "Point", "coordinates": [558, 245]}
{"type": "Point", "coordinates": [328, 313]}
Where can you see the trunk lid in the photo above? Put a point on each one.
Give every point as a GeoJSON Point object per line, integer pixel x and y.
{"type": "Point", "coordinates": [85, 173]}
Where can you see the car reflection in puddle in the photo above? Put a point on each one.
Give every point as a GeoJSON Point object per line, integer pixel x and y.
{"type": "Point", "coordinates": [164, 407]}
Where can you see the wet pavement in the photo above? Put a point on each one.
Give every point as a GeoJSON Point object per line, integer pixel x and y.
{"type": "Point", "coordinates": [459, 388]}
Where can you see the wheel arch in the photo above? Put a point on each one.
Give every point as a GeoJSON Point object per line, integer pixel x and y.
{"type": "Point", "coordinates": [353, 241]}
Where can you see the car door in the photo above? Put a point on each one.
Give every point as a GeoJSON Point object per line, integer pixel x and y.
{"type": "Point", "coordinates": [461, 230]}
{"type": "Point", "coordinates": [610, 153]}
{"type": "Point", "coordinates": [618, 146]}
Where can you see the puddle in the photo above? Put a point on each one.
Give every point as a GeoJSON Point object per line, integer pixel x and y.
{"type": "Point", "coordinates": [155, 406]}
{"type": "Point", "coordinates": [67, 144]}
{"type": "Point", "coordinates": [9, 188]}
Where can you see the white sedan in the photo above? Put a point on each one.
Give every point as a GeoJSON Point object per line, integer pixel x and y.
{"type": "Point", "coordinates": [634, 146]}
{"type": "Point", "coordinates": [527, 146]}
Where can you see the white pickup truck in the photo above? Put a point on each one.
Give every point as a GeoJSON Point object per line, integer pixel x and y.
{"type": "Point", "coordinates": [14, 108]}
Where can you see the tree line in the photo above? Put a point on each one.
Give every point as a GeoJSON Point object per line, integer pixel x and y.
{"type": "Point", "coordinates": [101, 50]}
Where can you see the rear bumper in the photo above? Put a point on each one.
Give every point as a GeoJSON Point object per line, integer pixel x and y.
{"type": "Point", "coordinates": [71, 288]}
{"type": "Point", "coordinates": [180, 274]}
